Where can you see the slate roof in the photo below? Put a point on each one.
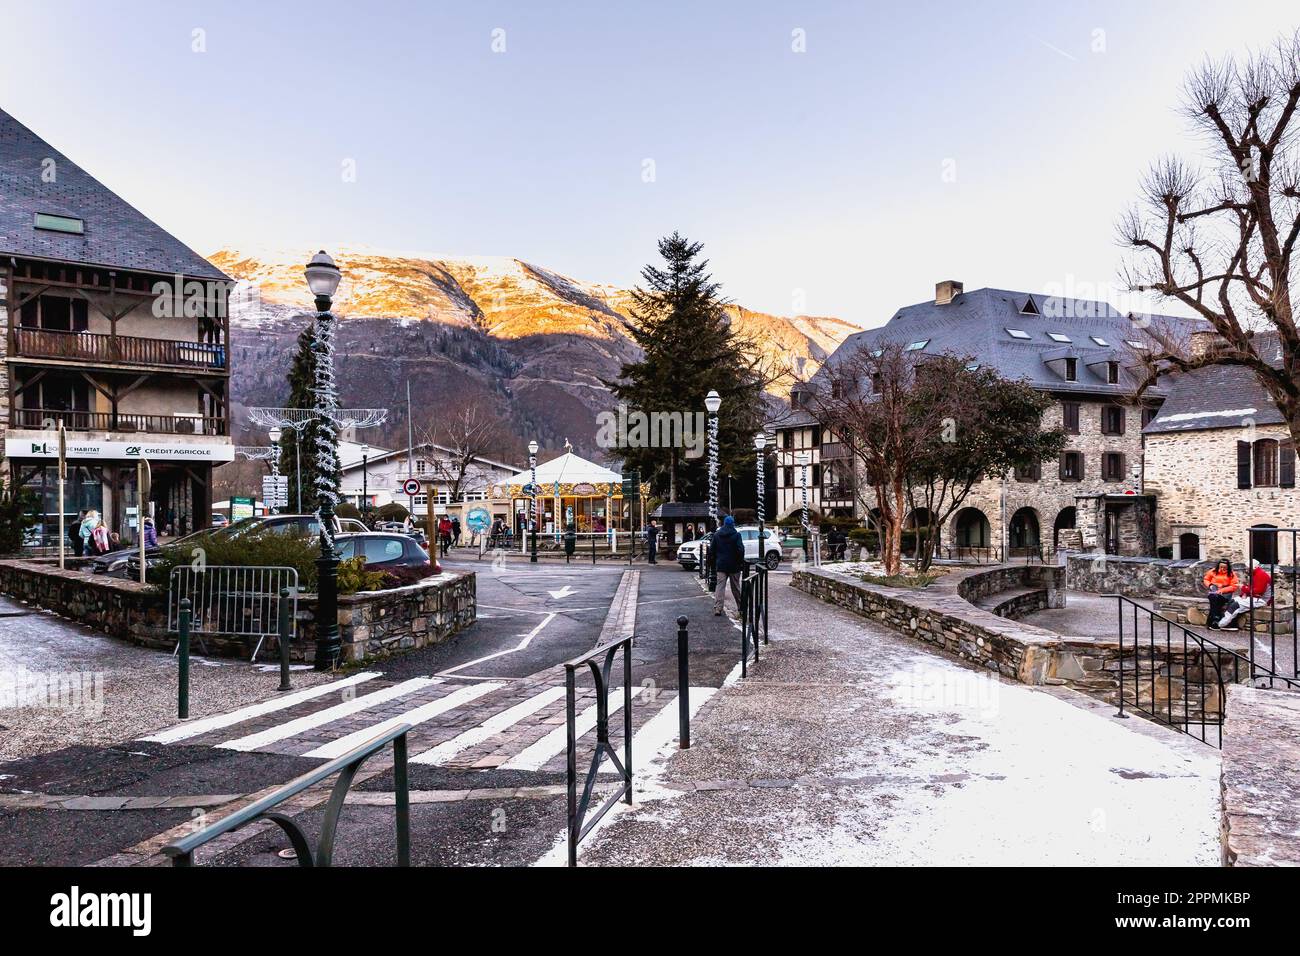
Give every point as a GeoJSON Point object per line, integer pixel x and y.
{"type": "Point", "coordinates": [1217, 396]}
{"type": "Point", "coordinates": [975, 324]}
{"type": "Point", "coordinates": [117, 235]}
{"type": "Point", "coordinates": [681, 509]}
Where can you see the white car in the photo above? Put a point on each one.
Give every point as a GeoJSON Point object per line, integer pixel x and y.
{"type": "Point", "coordinates": [688, 554]}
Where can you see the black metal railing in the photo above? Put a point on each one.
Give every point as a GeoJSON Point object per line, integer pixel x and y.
{"type": "Point", "coordinates": [753, 613]}
{"type": "Point", "coordinates": [73, 420]}
{"type": "Point", "coordinates": [1182, 666]}
{"type": "Point", "coordinates": [1266, 547]}
{"type": "Point", "coordinates": [977, 554]}
{"type": "Point", "coordinates": [600, 661]}
{"type": "Point", "coordinates": [182, 851]}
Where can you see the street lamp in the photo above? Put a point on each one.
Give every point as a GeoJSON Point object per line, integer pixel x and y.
{"type": "Point", "coordinates": [323, 280]}
{"type": "Point", "coordinates": [532, 487]}
{"type": "Point", "coordinates": [274, 434]}
{"type": "Point", "coordinates": [712, 402]}
{"type": "Point", "coordinates": [802, 459]}
{"type": "Point", "coordinates": [760, 446]}
{"type": "Point", "coordinates": [365, 486]}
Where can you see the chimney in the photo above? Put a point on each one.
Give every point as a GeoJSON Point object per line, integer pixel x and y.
{"type": "Point", "coordinates": [1202, 341]}
{"type": "Point", "coordinates": [946, 291]}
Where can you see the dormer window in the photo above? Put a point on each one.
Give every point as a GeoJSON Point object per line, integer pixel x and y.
{"type": "Point", "coordinates": [1071, 369]}
{"type": "Point", "coordinates": [1018, 333]}
{"type": "Point", "coordinates": [52, 222]}
{"type": "Point", "coordinates": [1029, 308]}
{"type": "Point", "coordinates": [1112, 373]}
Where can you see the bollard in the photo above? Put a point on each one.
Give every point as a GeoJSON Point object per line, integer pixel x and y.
{"type": "Point", "coordinates": [284, 639]}
{"type": "Point", "coordinates": [593, 550]}
{"type": "Point", "coordinates": [183, 690]}
{"type": "Point", "coordinates": [683, 686]}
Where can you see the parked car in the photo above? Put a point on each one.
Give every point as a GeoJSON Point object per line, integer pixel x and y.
{"type": "Point", "coordinates": [383, 550]}
{"type": "Point", "coordinates": [304, 526]}
{"type": "Point", "coordinates": [688, 553]}
{"type": "Point", "coordinates": [220, 521]}
{"type": "Point", "coordinates": [399, 527]}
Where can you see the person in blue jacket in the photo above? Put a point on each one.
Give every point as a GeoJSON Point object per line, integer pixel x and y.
{"type": "Point", "coordinates": [727, 559]}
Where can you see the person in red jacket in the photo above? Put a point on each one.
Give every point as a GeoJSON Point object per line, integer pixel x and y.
{"type": "Point", "coordinates": [1256, 592]}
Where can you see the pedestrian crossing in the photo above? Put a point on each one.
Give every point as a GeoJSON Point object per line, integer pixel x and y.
{"type": "Point", "coordinates": [469, 725]}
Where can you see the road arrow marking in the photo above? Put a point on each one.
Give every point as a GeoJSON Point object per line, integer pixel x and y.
{"type": "Point", "coordinates": [561, 593]}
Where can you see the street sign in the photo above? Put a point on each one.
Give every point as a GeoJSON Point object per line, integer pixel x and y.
{"type": "Point", "coordinates": [632, 484]}
{"type": "Point", "coordinates": [478, 520]}
{"type": "Point", "coordinates": [411, 486]}
{"type": "Point", "coordinates": [275, 491]}
{"type": "Point", "coordinates": [240, 507]}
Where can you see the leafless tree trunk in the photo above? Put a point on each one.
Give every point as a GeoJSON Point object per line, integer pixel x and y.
{"type": "Point", "coordinates": [1220, 241]}
{"type": "Point", "coordinates": [463, 433]}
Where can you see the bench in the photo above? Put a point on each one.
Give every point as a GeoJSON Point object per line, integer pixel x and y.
{"type": "Point", "coordinates": [1192, 611]}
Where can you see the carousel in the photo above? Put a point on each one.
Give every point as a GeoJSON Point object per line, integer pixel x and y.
{"type": "Point", "coordinates": [573, 490]}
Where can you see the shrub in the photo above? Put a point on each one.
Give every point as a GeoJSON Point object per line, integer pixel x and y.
{"type": "Point", "coordinates": [392, 512]}
{"type": "Point", "coordinates": [354, 577]}
{"type": "Point", "coordinates": [17, 514]}
{"type": "Point", "coordinates": [255, 550]}
{"type": "Point", "coordinates": [346, 509]}
{"type": "Point", "coordinates": [401, 577]}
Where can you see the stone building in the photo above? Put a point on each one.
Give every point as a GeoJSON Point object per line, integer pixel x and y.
{"type": "Point", "coordinates": [1080, 352]}
{"type": "Point", "coordinates": [113, 329]}
{"type": "Point", "coordinates": [1219, 459]}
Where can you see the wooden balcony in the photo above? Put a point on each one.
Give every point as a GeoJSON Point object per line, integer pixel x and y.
{"type": "Point", "coordinates": [100, 349]}
{"type": "Point", "coordinates": [835, 451]}
{"type": "Point", "coordinates": [46, 418]}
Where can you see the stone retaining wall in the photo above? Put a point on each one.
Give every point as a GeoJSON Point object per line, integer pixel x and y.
{"type": "Point", "coordinates": [1147, 577]}
{"type": "Point", "coordinates": [371, 624]}
{"type": "Point", "coordinates": [941, 616]}
{"type": "Point", "coordinates": [1261, 776]}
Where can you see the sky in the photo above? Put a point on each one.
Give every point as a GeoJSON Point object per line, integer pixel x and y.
{"type": "Point", "coordinates": [834, 158]}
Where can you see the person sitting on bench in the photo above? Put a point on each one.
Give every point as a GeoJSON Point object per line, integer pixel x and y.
{"type": "Point", "coordinates": [1256, 592]}
{"type": "Point", "coordinates": [1221, 581]}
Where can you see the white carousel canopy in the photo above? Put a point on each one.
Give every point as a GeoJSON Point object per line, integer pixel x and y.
{"type": "Point", "coordinates": [568, 469]}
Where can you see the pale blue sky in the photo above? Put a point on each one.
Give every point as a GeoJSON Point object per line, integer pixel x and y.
{"type": "Point", "coordinates": [815, 179]}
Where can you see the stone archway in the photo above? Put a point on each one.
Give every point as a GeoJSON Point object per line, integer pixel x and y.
{"type": "Point", "coordinates": [971, 529]}
{"type": "Point", "coordinates": [1022, 532]}
{"type": "Point", "coordinates": [1066, 518]}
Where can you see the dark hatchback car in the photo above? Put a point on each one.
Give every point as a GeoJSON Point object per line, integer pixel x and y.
{"type": "Point", "coordinates": [383, 550]}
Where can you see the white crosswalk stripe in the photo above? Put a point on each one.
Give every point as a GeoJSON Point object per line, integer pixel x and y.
{"type": "Point", "coordinates": [415, 716]}
{"type": "Point", "coordinates": [535, 756]}
{"type": "Point", "coordinates": [202, 726]}
{"type": "Point", "coordinates": [660, 730]}
{"type": "Point", "coordinates": [494, 725]}
{"type": "Point", "coordinates": [302, 724]}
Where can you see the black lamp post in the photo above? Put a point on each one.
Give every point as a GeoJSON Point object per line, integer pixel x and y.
{"type": "Point", "coordinates": [713, 402]}
{"type": "Point", "coordinates": [323, 280]}
{"type": "Point", "coordinates": [760, 446]}
{"type": "Point", "coordinates": [365, 486]}
{"type": "Point", "coordinates": [532, 463]}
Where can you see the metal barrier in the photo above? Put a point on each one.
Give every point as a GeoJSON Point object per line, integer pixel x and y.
{"type": "Point", "coordinates": [577, 828]}
{"type": "Point", "coordinates": [683, 685]}
{"type": "Point", "coordinates": [232, 600]}
{"type": "Point", "coordinates": [753, 612]}
{"type": "Point", "coordinates": [1196, 669]}
{"type": "Point", "coordinates": [1265, 546]}
{"type": "Point", "coordinates": [346, 766]}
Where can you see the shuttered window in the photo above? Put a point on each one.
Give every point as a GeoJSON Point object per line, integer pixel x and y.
{"type": "Point", "coordinates": [1266, 463]}
{"type": "Point", "coordinates": [1286, 465]}
{"type": "Point", "coordinates": [1072, 466]}
{"type": "Point", "coordinates": [1070, 417]}
{"type": "Point", "coordinates": [1112, 420]}
{"type": "Point", "coordinates": [1243, 464]}
{"type": "Point", "coordinates": [1112, 466]}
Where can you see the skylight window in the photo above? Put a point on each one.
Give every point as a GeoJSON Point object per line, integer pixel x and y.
{"type": "Point", "coordinates": [1059, 337]}
{"type": "Point", "coordinates": [1099, 340]}
{"type": "Point", "coordinates": [55, 223]}
{"type": "Point", "coordinates": [917, 346]}
{"type": "Point", "coordinates": [1018, 333]}
{"type": "Point", "coordinates": [973, 367]}
{"type": "Point", "coordinates": [1136, 345]}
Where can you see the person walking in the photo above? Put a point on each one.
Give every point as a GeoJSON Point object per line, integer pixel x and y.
{"type": "Point", "coordinates": [652, 541]}
{"type": "Point", "coordinates": [727, 560]}
{"type": "Point", "coordinates": [455, 531]}
{"type": "Point", "coordinates": [444, 534]}
{"type": "Point", "coordinates": [150, 534]}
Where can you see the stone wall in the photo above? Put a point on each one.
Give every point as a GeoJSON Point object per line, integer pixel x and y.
{"type": "Point", "coordinates": [941, 616]}
{"type": "Point", "coordinates": [371, 624]}
{"type": "Point", "coordinates": [1261, 776]}
{"type": "Point", "coordinates": [1194, 475]}
{"type": "Point", "coordinates": [1147, 577]}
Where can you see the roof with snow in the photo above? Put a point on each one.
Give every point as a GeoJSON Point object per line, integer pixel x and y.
{"type": "Point", "coordinates": [567, 469]}
{"type": "Point", "coordinates": [1217, 396]}
{"type": "Point", "coordinates": [37, 179]}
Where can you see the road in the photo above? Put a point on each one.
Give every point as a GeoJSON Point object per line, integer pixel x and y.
{"type": "Point", "coordinates": [487, 747]}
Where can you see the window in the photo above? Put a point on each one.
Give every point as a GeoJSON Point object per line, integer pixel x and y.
{"type": "Point", "coordinates": [56, 313]}
{"type": "Point", "coordinates": [1072, 466]}
{"type": "Point", "coordinates": [1018, 333]}
{"type": "Point", "coordinates": [420, 466]}
{"type": "Point", "coordinates": [787, 439]}
{"type": "Point", "coordinates": [1112, 373]}
{"type": "Point", "coordinates": [1070, 417]}
{"type": "Point", "coordinates": [1112, 420]}
{"type": "Point", "coordinates": [1029, 308]}
{"type": "Point", "coordinates": [1071, 370]}
{"type": "Point", "coordinates": [1030, 472]}
{"type": "Point", "coordinates": [815, 479]}
{"type": "Point", "coordinates": [787, 474]}
{"type": "Point", "coordinates": [1059, 337]}
{"type": "Point", "coordinates": [1265, 463]}
{"type": "Point", "coordinates": [55, 223]}
{"type": "Point", "coordinates": [379, 550]}
{"type": "Point", "coordinates": [1268, 463]}
{"type": "Point", "coordinates": [917, 346]}
{"type": "Point", "coordinates": [877, 382]}
{"type": "Point", "coordinates": [1112, 466]}
{"type": "Point", "coordinates": [1099, 340]}
{"type": "Point", "coordinates": [1136, 345]}
{"type": "Point", "coordinates": [1148, 414]}
{"type": "Point", "coordinates": [816, 436]}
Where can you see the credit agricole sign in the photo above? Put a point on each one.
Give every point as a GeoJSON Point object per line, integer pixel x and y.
{"type": "Point", "coordinates": [118, 450]}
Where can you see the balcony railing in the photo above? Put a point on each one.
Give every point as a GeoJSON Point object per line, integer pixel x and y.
{"type": "Point", "coordinates": [834, 451]}
{"type": "Point", "coordinates": [46, 418]}
{"type": "Point", "coordinates": [118, 349]}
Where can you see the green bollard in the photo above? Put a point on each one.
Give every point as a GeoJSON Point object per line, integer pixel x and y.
{"type": "Point", "coordinates": [284, 639]}
{"type": "Point", "coordinates": [183, 691]}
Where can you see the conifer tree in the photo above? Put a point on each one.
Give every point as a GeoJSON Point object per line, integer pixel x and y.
{"type": "Point", "coordinates": [302, 381]}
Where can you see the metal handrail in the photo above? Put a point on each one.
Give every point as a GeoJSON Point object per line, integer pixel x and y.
{"type": "Point", "coordinates": [753, 612]}
{"type": "Point", "coordinates": [577, 807]}
{"type": "Point", "coordinates": [182, 851]}
{"type": "Point", "coordinates": [1218, 656]}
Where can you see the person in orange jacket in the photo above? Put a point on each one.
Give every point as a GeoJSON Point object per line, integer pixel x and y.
{"type": "Point", "coordinates": [1221, 582]}
{"type": "Point", "coordinates": [1256, 592]}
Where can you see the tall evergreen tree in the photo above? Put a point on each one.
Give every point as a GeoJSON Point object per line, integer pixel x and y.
{"type": "Point", "coordinates": [302, 382]}
{"type": "Point", "coordinates": [689, 347]}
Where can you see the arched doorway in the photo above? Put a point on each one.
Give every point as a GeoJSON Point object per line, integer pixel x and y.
{"type": "Point", "coordinates": [971, 529]}
{"type": "Point", "coordinates": [1263, 543]}
{"type": "Point", "coordinates": [918, 519]}
{"type": "Point", "coordinates": [1189, 546]}
{"type": "Point", "coordinates": [1022, 533]}
{"type": "Point", "coordinates": [1065, 518]}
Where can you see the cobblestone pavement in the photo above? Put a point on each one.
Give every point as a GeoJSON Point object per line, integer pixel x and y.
{"type": "Point", "coordinates": [848, 744]}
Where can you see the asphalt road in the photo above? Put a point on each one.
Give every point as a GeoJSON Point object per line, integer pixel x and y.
{"type": "Point", "coordinates": [532, 618]}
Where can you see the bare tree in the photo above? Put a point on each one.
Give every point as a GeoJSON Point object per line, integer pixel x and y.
{"type": "Point", "coordinates": [867, 397]}
{"type": "Point", "coordinates": [457, 437]}
{"type": "Point", "coordinates": [1221, 240]}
